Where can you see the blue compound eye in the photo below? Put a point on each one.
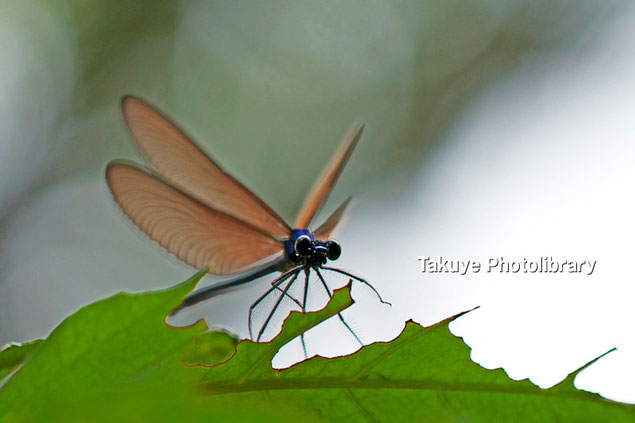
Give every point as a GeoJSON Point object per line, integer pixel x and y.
{"type": "Point", "coordinates": [333, 250]}
{"type": "Point", "coordinates": [303, 245]}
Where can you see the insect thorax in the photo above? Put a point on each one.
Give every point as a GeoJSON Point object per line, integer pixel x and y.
{"type": "Point", "coordinates": [316, 256]}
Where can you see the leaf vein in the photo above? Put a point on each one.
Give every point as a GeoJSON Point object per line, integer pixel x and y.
{"type": "Point", "coordinates": [358, 405]}
{"type": "Point", "coordinates": [402, 384]}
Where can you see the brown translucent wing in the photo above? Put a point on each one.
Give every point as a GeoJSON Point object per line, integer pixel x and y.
{"type": "Point", "coordinates": [324, 230]}
{"type": "Point", "coordinates": [325, 183]}
{"type": "Point", "coordinates": [189, 229]}
{"type": "Point", "coordinates": [184, 165]}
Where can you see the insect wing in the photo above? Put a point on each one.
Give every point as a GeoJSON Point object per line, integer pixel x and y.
{"type": "Point", "coordinates": [184, 165]}
{"type": "Point", "coordinates": [325, 229]}
{"type": "Point", "coordinates": [195, 233]}
{"type": "Point", "coordinates": [325, 183]}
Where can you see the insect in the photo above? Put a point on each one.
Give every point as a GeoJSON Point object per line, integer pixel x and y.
{"type": "Point", "coordinates": [189, 205]}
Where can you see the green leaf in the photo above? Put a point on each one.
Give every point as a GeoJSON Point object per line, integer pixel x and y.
{"type": "Point", "coordinates": [211, 348]}
{"type": "Point", "coordinates": [425, 374]}
{"type": "Point", "coordinates": [12, 355]}
{"type": "Point", "coordinates": [117, 360]}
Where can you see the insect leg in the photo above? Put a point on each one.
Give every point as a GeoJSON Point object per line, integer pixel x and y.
{"type": "Point", "coordinates": [275, 307]}
{"type": "Point", "coordinates": [278, 281]}
{"type": "Point", "coordinates": [328, 291]}
{"type": "Point", "coordinates": [357, 278]}
{"type": "Point", "coordinates": [306, 292]}
{"type": "Point", "coordinates": [289, 296]}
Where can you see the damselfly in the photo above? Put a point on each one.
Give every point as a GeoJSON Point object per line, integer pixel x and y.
{"type": "Point", "coordinates": [189, 205]}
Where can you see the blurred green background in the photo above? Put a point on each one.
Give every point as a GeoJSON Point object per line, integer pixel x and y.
{"type": "Point", "coordinates": [267, 87]}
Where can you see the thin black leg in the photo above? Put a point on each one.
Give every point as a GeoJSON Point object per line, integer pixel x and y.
{"type": "Point", "coordinates": [279, 280]}
{"type": "Point", "coordinates": [306, 293]}
{"type": "Point", "coordinates": [357, 278]}
{"type": "Point", "coordinates": [328, 291]}
{"type": "Point", "coordinates": [275, 307]}
{"type": "Point", "coordinates": [289, 296]}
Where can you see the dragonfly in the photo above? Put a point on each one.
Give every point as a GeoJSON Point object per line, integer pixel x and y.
{"type": "Point", "coordinates": [188, 204]}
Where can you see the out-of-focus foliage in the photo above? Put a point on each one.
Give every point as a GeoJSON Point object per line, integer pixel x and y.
{"type": "Point", "coordinates": [264, 85]}
{"type": "Point", "coordinates": [116, 360]}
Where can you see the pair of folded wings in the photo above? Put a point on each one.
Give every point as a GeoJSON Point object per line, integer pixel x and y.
{"type": "Point", "coordinates": [198, 212]}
